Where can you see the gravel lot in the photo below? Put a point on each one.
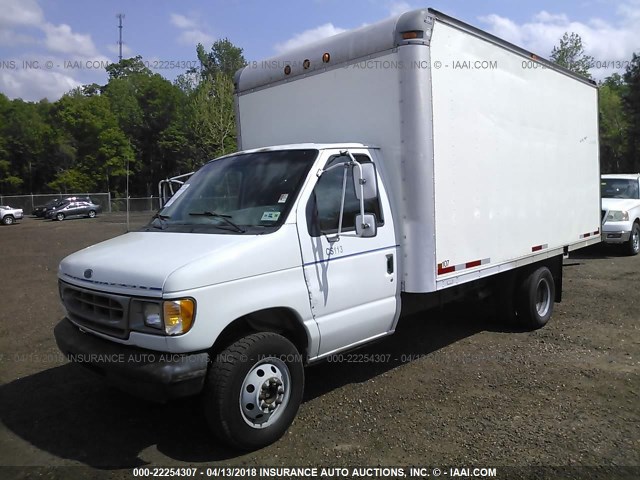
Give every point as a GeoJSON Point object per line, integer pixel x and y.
{"type": "Point", "coordinates": [458, 390]}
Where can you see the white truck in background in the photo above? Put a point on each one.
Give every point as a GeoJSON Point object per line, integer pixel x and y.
{"type": "Point", "coordinates": [418, 159]}
{"type": "Point", "coordinates": [621, 211]}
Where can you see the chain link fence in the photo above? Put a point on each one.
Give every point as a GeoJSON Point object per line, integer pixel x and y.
{"type": "Point", "coordinates": [108, 204]}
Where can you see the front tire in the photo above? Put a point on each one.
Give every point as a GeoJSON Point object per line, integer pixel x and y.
{"type": "Point", "coordinates": [253, 390]}
{"type": "Point", "coordinates": [60, 216]}
{"type": "Point", "coordinates": [535, 299]}
{"type": "Point", "coordinates": [7, 220]}
{"type": "Point", "coordinates": [92, 213]}
{"type": "Point", "coordinates": [633, 245]}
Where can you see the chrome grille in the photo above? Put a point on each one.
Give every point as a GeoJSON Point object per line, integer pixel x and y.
{"type": "Point", "coordinates": [101, 312]}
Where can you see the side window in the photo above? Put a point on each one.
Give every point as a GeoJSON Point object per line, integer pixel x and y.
{"type": "Point", "coordinates": [323, 208]}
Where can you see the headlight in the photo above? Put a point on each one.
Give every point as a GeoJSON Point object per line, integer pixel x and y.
{"type": "Point", "coordinates": [178, 316]}
{"type": "Point", "coordinates": [617, 216]}
{"type": "Point", "coordinates": [169, 317]}
{"type": "Point", "coordinates": [152, 315]}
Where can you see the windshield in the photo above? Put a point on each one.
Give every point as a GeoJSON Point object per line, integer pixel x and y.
{"type": "Point", "coordinates": [619, 188]}
{"type": "Point", "coordinates": [248, 193]}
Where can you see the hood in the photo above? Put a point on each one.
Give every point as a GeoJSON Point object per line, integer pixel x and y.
{"type": "Point", "coordinates": [153, 263]}
{"type": "Point", "coordinates": [619, 203]}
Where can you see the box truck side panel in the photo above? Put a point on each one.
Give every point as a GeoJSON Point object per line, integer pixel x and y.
{"type": "Point", "coordinates": [354, 103]}
{"type": "Point", "coordinates": [515, 155]}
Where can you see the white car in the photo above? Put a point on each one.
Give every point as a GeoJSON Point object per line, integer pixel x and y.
{"type": "Point", "coordinates": [9, 215]}
{"type": "Point", "coordinates": [621, 210]}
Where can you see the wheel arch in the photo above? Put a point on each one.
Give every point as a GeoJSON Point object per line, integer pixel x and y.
{"type": "Point", "coordinates": [281, 320]}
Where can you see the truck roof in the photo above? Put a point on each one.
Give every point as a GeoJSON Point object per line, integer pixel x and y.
{"type": "Point", "coordinates": [364, 42]}
{"type": "Point", "coordinates": [301, 146]}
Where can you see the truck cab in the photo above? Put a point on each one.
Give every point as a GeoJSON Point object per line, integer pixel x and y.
{"type": "Point", "coordinates": [283, 240]}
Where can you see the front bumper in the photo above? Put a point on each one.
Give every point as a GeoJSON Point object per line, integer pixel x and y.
{"type": "Point", "coordinates": [615, 236]}
{"type": "Point", "coordinates": [149, 374]}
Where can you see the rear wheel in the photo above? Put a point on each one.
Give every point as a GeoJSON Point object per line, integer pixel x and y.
{"type": "Point", "coordinates": [253, 390]}
{"type": "Point", "coordinates": [60, 216]}
{"type": "Point", "coordinates": [535, 298]}
{"type": "Point", "coordinates": [633, 245]}
{"type": "Point", "coordinates": [7, 220]}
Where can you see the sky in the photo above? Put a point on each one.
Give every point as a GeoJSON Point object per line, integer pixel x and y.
{"type": "Point", "coordinates": [48, 47]}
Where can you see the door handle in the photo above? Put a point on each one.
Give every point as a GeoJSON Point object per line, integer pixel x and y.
{"type": "Point", "coordinates": [390, 264]}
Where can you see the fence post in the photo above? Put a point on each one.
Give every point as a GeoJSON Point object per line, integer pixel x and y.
{"type": "Point", "coordinates": [109, 199]}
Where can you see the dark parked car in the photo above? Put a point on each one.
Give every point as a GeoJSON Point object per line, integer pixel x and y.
{"type": "Point", "coordinates": [41, 210]}
{"type": "Point", "coordinates": [74, 209]}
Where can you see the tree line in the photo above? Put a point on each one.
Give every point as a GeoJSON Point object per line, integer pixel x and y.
{"type": "Point", "coordinates": [144, 127]}
{"type": "Point", "coordinates": [139, 123]}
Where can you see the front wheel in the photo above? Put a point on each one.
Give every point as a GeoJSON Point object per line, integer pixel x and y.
{"type": "Point", "coordinates": [92, 213]}
{"type": "Point", "coordinates": [633, 245]}
{"type": "Point", "coordinates": [535, 300]}
{"type": "Point", "coordinates": [60, 216]}
{"type": "Point", "coordinates": [253, 390]}
{"type": "Point", "coordinates": [7, 220]}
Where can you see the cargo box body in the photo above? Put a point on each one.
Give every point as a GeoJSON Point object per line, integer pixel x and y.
{"type": "Point", "coordinates": [491, 155]}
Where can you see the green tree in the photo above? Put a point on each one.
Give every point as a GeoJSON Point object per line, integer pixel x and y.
{"type": "Point", "coordinates": [25, 133]}
{"type": "Point", "coordinates": [127, 67]}
{"type": "Point", "coordinates": [613, 124]}
{"type": "Point", "coordinates": [224, 57]}
{"type": "Point", "coordinates": [212, 117]}
{"type": "Point", "coordinates": [571, 55]}
{"type": "Point", "coordinates": [95, 150]}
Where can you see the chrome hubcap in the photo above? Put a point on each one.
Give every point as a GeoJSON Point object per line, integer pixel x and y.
{"type": "Point", "coordinates": [265, 392]}
{"type": "Point", "coordinates": [543, 297]}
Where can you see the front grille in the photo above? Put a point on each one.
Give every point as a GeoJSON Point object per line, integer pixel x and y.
{"type": "Point", "coordinates": [101, 312]}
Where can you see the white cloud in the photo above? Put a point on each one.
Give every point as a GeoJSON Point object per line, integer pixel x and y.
{"type": "Point", "coordinates": [547, 17]}
{"type": "Point", "coordinates": [61, 39]}
{"type": "Point", "coordinates": [604, 40]}
{"type": "Point", "coordinates": [21, 13]}
{"type": "Point", "coordinates": [193, 37]}
{"type": "Point", "coordinates": [308, 36]}
{"type": "Point", "coordinates": [192, 32]}
{"type": "Point", "coordinates": [182, 22]}
{"type": "Point", "coordinates": [62, 54]}
{"type": "Point", "coordinates": [34, 84]}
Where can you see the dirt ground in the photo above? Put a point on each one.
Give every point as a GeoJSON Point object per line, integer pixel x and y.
{"type": "Point", "coordinates": [458, 391]}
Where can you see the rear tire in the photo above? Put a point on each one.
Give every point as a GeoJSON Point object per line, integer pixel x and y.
{"type": "Point", "coordinates": [253, 390]}
{"type": "Point", "coordinates": [535, 298]}
{"type": "Point", "coordinates": [633, 245]}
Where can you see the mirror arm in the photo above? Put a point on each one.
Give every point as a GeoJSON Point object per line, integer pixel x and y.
{"type": "Point", "coordinates": [360, 182]}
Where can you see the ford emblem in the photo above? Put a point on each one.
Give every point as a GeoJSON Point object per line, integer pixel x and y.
{"type": "Point", "coordinates": [88, 273]}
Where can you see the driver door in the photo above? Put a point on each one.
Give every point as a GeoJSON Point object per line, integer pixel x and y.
{"type": "Point", "coordinates": [352, 280]}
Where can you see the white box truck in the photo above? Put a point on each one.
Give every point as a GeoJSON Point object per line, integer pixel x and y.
{"type": "Point", "coordinates": [418, 159]}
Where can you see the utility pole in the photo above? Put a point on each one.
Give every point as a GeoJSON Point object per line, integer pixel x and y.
{"type": "Point", "coordinates": [120, 17]}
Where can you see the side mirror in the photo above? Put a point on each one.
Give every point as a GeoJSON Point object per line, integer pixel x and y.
{"type": "Point", "coordinates": [367, 181]}
{"type": "Point", "coordinates": [366, 226]}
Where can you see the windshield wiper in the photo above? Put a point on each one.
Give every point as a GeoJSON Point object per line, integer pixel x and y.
{"type": "Point", "coordinates": [224, 218]}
